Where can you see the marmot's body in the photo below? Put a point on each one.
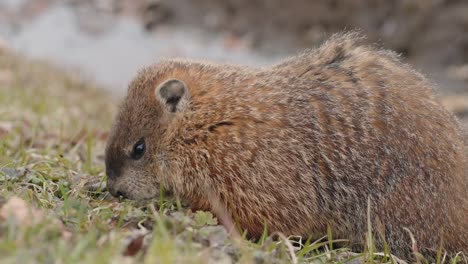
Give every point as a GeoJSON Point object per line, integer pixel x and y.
{"type": "Point", "coordinates": [299, 146]}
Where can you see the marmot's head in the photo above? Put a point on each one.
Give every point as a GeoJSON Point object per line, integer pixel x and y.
{"type": "Point", "coordinates": [136, 153]}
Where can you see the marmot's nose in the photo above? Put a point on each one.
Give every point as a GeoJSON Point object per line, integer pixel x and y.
{"type": "Point", "coordinates": [117, 193]}
{"type": "Point", "coordinates": [121, 194]}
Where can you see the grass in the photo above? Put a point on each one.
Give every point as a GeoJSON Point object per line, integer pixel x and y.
{"type": "Point", "coordinates": [53, 204]}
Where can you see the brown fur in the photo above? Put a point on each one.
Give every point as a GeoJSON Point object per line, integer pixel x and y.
{"type": "Point", "coordinates": [301, 145]}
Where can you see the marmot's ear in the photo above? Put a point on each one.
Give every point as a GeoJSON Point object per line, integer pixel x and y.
{"type": "Point", "coordinates": [173, 94]}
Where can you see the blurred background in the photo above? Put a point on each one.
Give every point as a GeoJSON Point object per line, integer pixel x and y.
{"type": "Point", "coordinates": [109, 40]}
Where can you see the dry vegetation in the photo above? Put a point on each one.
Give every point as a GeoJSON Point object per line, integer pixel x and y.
{"type": "Point", "coordinates": [53, 204]}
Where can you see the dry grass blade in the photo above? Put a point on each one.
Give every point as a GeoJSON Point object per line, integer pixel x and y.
{"type": "Point", "coordinates": [414, 246]}
{"type": "Point", "coordinates": [288, 245]}
{"type": "Point", "coordinates": [395, 259]}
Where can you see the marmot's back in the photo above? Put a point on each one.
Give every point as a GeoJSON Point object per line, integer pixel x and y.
{"type": "Point", "coordinates": [300, 145]}
{"type": "Point", "coordinates": [406, 145]}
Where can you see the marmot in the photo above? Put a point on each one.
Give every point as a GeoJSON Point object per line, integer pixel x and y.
{"type": "Point", "coordinates": [299, 146]}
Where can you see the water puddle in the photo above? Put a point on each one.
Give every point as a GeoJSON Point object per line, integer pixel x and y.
{"type": "Point", "coordinates": [113, 56]}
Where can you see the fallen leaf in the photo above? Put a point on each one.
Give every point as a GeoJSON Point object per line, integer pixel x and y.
{"type": "Point", "coordinates": [25, 215]}
{"type": "Point", "coordinates": [17, 209]}
{"type": "Point", "coordinates": [134, 246]}
{"type": "Point", "coordinates": [136, 242]}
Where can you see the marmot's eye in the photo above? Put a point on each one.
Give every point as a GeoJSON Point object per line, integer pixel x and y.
{"type": "Point", "coordinates": [138, 149]}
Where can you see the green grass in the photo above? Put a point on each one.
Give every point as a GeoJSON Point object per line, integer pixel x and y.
{"type": "Point", "coordinates": [53, 128]}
